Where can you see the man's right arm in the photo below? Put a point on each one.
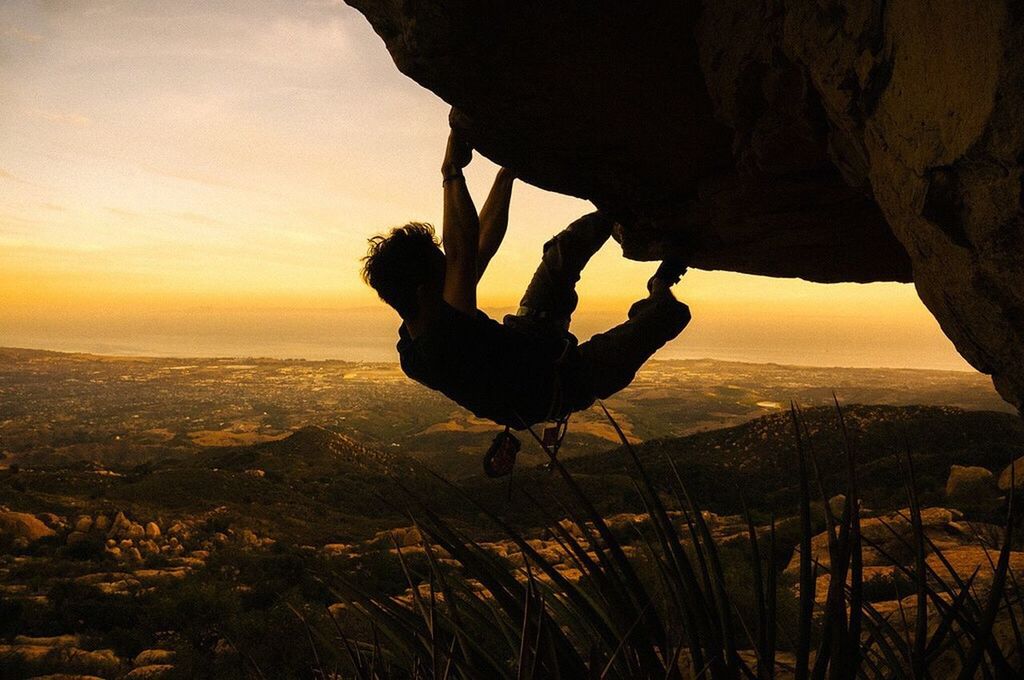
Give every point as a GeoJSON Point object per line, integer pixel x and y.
{"type": "Point", "coordinates": [494, 219]}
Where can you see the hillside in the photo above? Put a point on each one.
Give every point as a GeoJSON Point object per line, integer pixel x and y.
{"type": "Point", "coordinates": [756, 462]}
{"type": "Point", "coordinates": [314, 485]}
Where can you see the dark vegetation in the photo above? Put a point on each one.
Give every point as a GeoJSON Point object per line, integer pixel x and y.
{"type": "Point", "coordinates": [690, 617]}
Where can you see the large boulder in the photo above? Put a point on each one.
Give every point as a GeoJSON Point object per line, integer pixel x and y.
{"type": "Point", "coordinates": [970, 479]}
{"type": "Point", "coordinates": [22, 528]}
{"type": "Point", "coordinates": [1012, 475]}
{"type": "Point", "coordinates": [833, 141]}
{"type": "Point", "coordinates": [972, 488]}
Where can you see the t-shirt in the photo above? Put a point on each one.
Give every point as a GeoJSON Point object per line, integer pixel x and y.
{"type": "Point", "coordinates": [498, 372]}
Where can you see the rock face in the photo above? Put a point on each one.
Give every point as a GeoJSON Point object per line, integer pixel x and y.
{"type": "Point", "coordinates": [832, 141]}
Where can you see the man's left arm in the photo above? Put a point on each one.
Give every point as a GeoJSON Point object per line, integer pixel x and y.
{"type": "Point", "coordinates": [460, 232]}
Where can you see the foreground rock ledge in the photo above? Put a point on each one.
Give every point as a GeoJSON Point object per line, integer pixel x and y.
{"type": "Point", "coordinates": [832, 141]}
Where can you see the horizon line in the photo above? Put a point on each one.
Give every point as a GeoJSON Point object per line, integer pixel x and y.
{"type": "Point", "coordinates": [253, 357]}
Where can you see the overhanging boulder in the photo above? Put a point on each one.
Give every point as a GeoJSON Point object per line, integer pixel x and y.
{"type": "Point", "coordinates": [831, 141]}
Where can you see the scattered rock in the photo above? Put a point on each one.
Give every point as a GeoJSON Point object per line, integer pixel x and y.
{"type": "Point", "coordinates": [161, 574]}
{"type": "Point", "coordinates": [893, 532]}
{"type": "Point", "coordinates": [100, 661]}
{"type": "Point", "coordinates": [51, 520]}
{"type": "Point", "coordinates": [837, 505]}
{"type": "Point", "coordinates": [83, 524]}
{"type": "Point", "coordinates": [55, 641]}
{"type": "Point", "coordinates": [40, 658]}
{"type": "Point", "coordinates": [1012, 475]}
{"type": "Point", "coordinates": [334, 549]}
{"type": "Point", "coordinates": [151, 672]}
{"type": "Point", "coordinates": [152, 530]}
{"type": "Point", "coordinates": [411, 537]}
{"type": "Point", "coordinates": [120, 525]}
{"type": "Point", "coordinates": [571, 528]}
{"type": "Point", "coordinates": [76, 537]}
{"type": "Point", "coordinates": [152, 657]}
{"type": "Point", "coordinates": [101, 577]}
{"type": "Point", "coordinates": [122, 587]}
{"type": "Point", "coordinates": [965, 559]}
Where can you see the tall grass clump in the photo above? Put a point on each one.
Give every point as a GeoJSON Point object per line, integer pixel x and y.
{"type": "Point", "coordinates": [676, 612]}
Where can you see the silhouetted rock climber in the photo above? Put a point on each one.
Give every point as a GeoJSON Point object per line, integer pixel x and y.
{"type": "Point", "coordinates": [529, 368]}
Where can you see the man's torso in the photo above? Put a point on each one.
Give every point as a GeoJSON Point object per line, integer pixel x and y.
{"type": "Point", "coordinates": [506, 374]}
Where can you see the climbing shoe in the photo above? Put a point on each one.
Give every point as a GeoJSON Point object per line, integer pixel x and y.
{"type": "Point", "coordinates": [501, 456]}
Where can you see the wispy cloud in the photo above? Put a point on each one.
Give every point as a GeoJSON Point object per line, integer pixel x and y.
{"type": "Point", "coordinates": [11, 177]}
{"type": "Point", "coordinates": [10, 223]}
{"type": "Point", "coordinates": [121, 212]}
{"type": "Point", "coordinates": [195, 218]}
{"type": "Point", "coordinates": [22, 35]}
{"type": "Point", "coordinates": [65, 118]}
{"type": "Point", "coordinates": [6, 175]}
{"type": "Point", "coordinates": [188, 176]}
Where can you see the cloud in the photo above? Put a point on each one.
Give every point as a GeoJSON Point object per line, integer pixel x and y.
{"type": "Point", "coordinates": [121, 212]}
{"type": "Point", "coordinates": [22, 35]}
{"type": "Point", "coordinates": [195, 218]}
{"type": "Point", "coordinates": [72, 119]}
{"type": "Point", "coordinates": [14, 178]}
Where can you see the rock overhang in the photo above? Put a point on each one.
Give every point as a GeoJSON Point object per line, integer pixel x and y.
{"type": "Point", "coordinates": [837, 141]}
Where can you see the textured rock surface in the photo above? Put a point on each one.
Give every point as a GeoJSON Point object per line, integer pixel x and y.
{"type": "Point", "coordinates": [833, 141]}
{"type": "Point", "coordinates": [971, 484]}
{"type": "Point", "coordinates": [22, 526]}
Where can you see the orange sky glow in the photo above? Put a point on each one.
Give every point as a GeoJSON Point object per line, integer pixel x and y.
{"type": "Point", "coordinates": [201, 178]}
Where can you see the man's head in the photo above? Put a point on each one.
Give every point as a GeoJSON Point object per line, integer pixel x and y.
{"type": "Point", "coordinates": [405, 266]}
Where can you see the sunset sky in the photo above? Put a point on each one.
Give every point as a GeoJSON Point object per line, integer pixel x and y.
{"type": "Point", "coordinates": [196, 178]}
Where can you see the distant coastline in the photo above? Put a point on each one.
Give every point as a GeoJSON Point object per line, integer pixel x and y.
{"type": "Point", "coordinates": [281, 353]}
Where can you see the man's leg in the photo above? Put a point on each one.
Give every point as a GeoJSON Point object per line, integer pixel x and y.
{"type": "Point", "coordinates": [612, 358]}
{"type": "Point", "coordinates": [551, 298]}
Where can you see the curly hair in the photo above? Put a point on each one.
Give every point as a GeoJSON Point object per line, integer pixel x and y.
{"type": "Point", "coordinates": [398, 263]}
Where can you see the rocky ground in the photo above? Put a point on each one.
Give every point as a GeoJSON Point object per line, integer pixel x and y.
{"type": "Point", "coordinates": [135, 557]}
{"type": "Point", "coordinates": [110, 589]}
{"type": "Point", "coordinates": [117, 556]}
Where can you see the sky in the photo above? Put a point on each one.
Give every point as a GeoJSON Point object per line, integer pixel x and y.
{"type": "Point", "coordinates": [198, 178]}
